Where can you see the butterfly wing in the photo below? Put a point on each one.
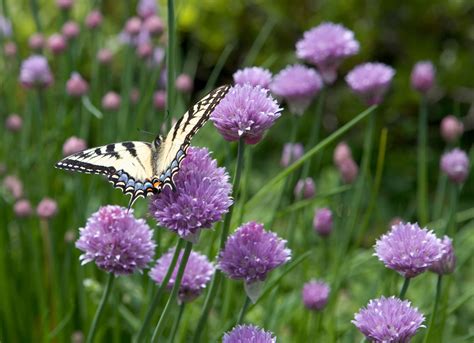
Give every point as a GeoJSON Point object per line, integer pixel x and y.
{"type": "Point", "coordinates": [173, 149]}
{"type": "Point", "coordinates": [127, 165]}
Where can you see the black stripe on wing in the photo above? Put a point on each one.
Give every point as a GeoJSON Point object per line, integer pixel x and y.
{"type": "Point", "coordinates": [167, 177]}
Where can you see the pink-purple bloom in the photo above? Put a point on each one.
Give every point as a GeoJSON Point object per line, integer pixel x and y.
{"type": "Point", "coordinates": [94, 19]}
{"type": "Point", "coordinates": [71, 29]}
{"type": "Point", "coordinates": [250, 253]}
{"type": "Point", "coordinates": [73, 145]}
{"type": "Point", "coordinates": [47, 208]}
{"type": "Point", "coordinates": [13, 185]}
{"type": "Point", "coordinates": [57, 43]}
{"type": "Point", "coordinates": [111, 101]}
{"type": "Point", "coordinates": [423, 76]}
{"type": "Point", "coordinates": [154, 25]}
{"type": "Point", "coordinates": [455, 164]}
{"type": "Point", "coordinates": [305, 188]}
{"type": "Point", "coordinates": [117, 241]}
{"type": "Point", "coordinates": [76, 86]}
{"type": "Point", "coordinates": [36, 41]}
{"type": "Point", "coordinates": [326, 46]}
{"type": "Point", "coordinates": [408, 249]}
{"type": "Point", "coordinates": [202, 196]}
{"type": "Point", "coordinates": [104, 56]}
{"type": "Point", "coordinates": [184, 83]}
{"type": "Point", "coordinates": [13, 122]}
{"type": "Point", "coordinates": [315, 295]}
{"type": "Point", "coordinates": [147, 8]}
{"type": "Point", "coordinates": [389, 320]}
{"type": "Point", "coordinates": [248, 334]}
{"type": "Point", "coordinates": [447, 262]}
{"type": "Point", "coordinates": [341, 153]}
{"type": "Point", "coordinates": [349, 170]}
{"type": "Point", "coordinates": [298, 85]}
{"type": "Point", "coordinates": [370, 81]}
{"type": "Point", "coordinates": [322, 221]}
{"type": "Point", "coordinates": [35, 72]}
{"type": "Point", "coordinates": [197, 274]}
{"type": "Point", "coordinates": [23, 208]}
{"type": "Point", "coordinates": [291, 153]}
{"type": "Point", "coordinates": [451, 128]}
{"type": "Point", "coordinates": [245, 113]}
{"type": "Point", "coordinates": [5, 27]}
{"type": "Point", "coordinates": [254, 76]}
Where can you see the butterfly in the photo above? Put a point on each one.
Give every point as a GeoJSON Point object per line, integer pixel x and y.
{"type": "Point", "coordinates": [141, 168]}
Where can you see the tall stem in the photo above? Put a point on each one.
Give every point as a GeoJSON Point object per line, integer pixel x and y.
{"type": "Point", "coordinates": [406, 283]}
{"type": "Point", "coordinates": [454, 196]}
{"type": "Point", "coordinates": [216, 279]}
{"type": "Point", "coordinates": [157, 297]}
{"type": "Point", "coordinates": [422, 191]}
{"type": "Point", "coordinates": [170, 61]}
{"type": "Point", "coordinates": [435, 309]}
{"type": "Point", "coordinates": [243, 310]}
{"type": "Point", "coordinates": [177, 321]}
{"type": "Point", "coordinates": [35, 12]}
{"type": "Point", "coordinates": [174, 292]}
{"type": "Point", "coordinates": [98, 313]}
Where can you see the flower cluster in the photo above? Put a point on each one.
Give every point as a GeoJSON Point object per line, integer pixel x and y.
{"type": "Point", "coordinates": [315, 295]}
{"type": "Point", "coordinates": [455, 164]}
{"type": "Point", "coordinates": [248, 334]}
{"type": "Point", "coordinates": [254, 76]}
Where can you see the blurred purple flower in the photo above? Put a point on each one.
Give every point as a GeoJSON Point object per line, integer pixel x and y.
{"type": "Point", "coordinates": [57, 43]}
{"type": "Point", "coordinates": [246, 112]}
{"type": "Point", "coordinates": [154, 25]}
{"type": "Point", "coordinates": [76, 86]}
{"type": "Point", "coordinates": [70, 29]}
{"type": "Point", "coordinates": [35, 72]}
{"type": "Point", "coordinates": [159, 99]}
{"type": "Point", "coordinates": [10, 49]}
{"type": "Point", "coordinates": [250, 253]}
{"type": "Point", "coordinates": [341, 153]}
{"type": "Point", "coordinates": [291, 153]}
{"type": "Point", "coordinates": [298, 85]}
{"type": "Point", "coordinates": [5, 27]}
{"type": "Point", "coordinates": [184, 83]}
{"type": "Point", "coordinates": [455, 164]}
{"type": "Point", "coordinates": [305, 188]}
{"type": "Point", "coordinates": [117, 241]}
{"type": "Point", "coordinates": [370, 81]}
{"type": "Point", "coordinates": [326, 46]}
{"type": "Point", "coordinates": [315, 295]}
{"type": "Point", "coordinates": [144, 50]}
{"type": "Point", "coordinates": [254, 76]}
{"type": "Point", "coordinates": [47, 208]}
{"type": "Point", "coordinates": [13, 122]}
{"type": "Point", "coordinates": [197, 274]}
{"type": "Point", "coordinates": [451, 128]}
{"type": "Point", "coordinates": [388, 320]}
{"type": "Point", "coordinates": [73, 145]}
{"type": "Point", "coordinates": [322, 221]}
{"type": "Point", "coordinates": [22, 208]}
{"type": "Point", "coordinates": [423, 76]}
{"type": "Point", "coordinates": [13, 185]}
{"type": "Point", "coordinates": [202, 196]}
{"type": "Point", "coordinates": [248, 334]}
{"type": "Point", "coordinates": [349, 170]}
{"type": "Point", "coordinates": [447, 262]}
{"type": "Point", "coordinates": [408, 249]}
{"type": "Point", "coordinates": [94, 19]}
{"type": "Point", "coordinates": [147, 8]}
{"type": "Point", "coordinates": [65, 4]}
{"type": "Point", "coordinates": [111, 101]}
{"type": "Point", "coordinates": [36, 41]}
{"type": "Point", "coordinates": [104, 56]}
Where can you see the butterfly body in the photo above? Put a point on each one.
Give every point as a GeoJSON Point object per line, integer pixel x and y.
{"type": "Point", "coordinates": [141, 168]}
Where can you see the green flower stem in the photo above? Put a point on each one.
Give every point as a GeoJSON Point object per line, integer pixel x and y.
{"type": "Point", "coordinates": [174, 292]}
{"type": "Point", "coordinates": [243, 310]}
{"type": "Point", "coordinates": [171, 62]}
{"type": "Point", "coordinates": [35, 12]}
{"type": "Point", "coordinates": [216, 279]}
{"type": "Point", "coordinates": [157, 297]}
{"type": "Point", "coordinates": [100, 309]}
{"type": "Point", "coordinates": [314, 135]}
{"type": "Point", "coordinates": [403, 291]}
{"type": "Point", "coordinates": [422, 182]}
{"type": "Point", "coordinates": [440, 196]}
{"type": "Point", "coordinates": [435, 309]}
{"type": "Point", "coordinates": [177, 322]}
{"type": "Point", "coordinates": [454, 197]}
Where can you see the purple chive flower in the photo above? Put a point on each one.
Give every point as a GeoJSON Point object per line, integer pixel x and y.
{"type": "Point", "coordinates": [117, 241]}
{"type": "Point", "coordinates": [254, 76]}
{"type": "Point", "coordinates": [202, 196]}
{"type": "Point", "coordinates": [291, 153]}
{"type": "Point", "coordinates": [408, 249]}
{"type": "Point", "coordinates": [370, 81]}
{"type": "Point", "coordinates": [76, 86]}
{"type": "Point", "coordinates": [105, 56]}
{"type": "Point", "coordinates": [10, 49]}
{"type": "Point", "coordinates": [154, 25]}
{"type": "Point", "coordinates": [22, 208]}
{"type": "Point", "coordinates": [13, 185]}
{"type": "Point", "coordinates": [35, 72]}
{"type": "Point", "coordinates": [388, 320]}
{"type": "Point", "coordinates": [13, 122]}
{"type": "Point", "coordinates": [65, 4]}
{"type": "Point", "coordinates": [447, 262]}
{"type": "Point", "coordinates": [94, 19]}
{"type": "Point", "coordinates": [184, 83]}
{"type": "Point", "coordinates": [305, 188]}
{"type": "Point", "coordinates": [111, 101]}
{"type": "Point", "coordinates": [326, 46]}
{"type": "Point", "coordinates": [159, 99]}
{"type": "Point", "coordinates": [47, 208]}
{"type": "Point", "coordinates": [423, 76]}
{"type": "Point", "coordinates": [248, 334]}
{"type": "Point", "coordinates": [455, 164]}
{"type": "Point", "coordinates": [349, 170]}
{"type": "Point", "coordinates": [197, 274]}
{"type": "Point", "coordinates": [5, 27]}
{"type": "Point", "coordinates": [246, 112]}
{"type": "Point", "coordinates": [341, 153]}
{"type": "Point", "coordinates": [57, 43]}
{"type": "Point", "coordinates": [322, 221]}
{"type": "Point", "coordinates": [315, 295]}
{"type": "Point", "coordinates": [298, 85]}
{"type": "Point", "coordinates": [451, 128]}
{"type": "Point", "coordinates": [36, 41]}
{"type": "Point", "coordinates": [70, 29]}
{"type": "Point", "coordinates": [73, 145]}
{"type": "Point", "coordinates": [147, 8]}
{"type": "Point", "coordinates": [251, 253]}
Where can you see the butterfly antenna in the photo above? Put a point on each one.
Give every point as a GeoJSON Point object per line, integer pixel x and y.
{"type": "Point", "coordinates": [144, 131]}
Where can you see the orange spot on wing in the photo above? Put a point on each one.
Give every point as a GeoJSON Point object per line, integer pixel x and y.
{"type": "Point", "coordinates": [157, 184]}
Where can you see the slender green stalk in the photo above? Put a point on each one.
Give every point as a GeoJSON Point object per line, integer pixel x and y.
{"type": "Point", "coordinates": [403, 291]}
{"type": "Point", "coordinates": [100, 309]}
{"type": "Point", "coordinates": [174, 292]}
{"type": "Point", "coordinates": [211, 81]}
{"type": "Point", "coordinates": [435, 309]}
{"type": "Point", "coordinates": [171, 62]}
{"type": "Point", "coordinates": [35, 12]}
{"type": "Point", "coordinates": [157, 297]}
{"type": "Point", "coordinates": [216, 279]}
{"type": "Point", "coordinates": [243, 310]}
{"type": "Point", "coordinates": [422, 182]}
{"type": "Point", "coordinates": [177, 322]}
{"type": "Point", "coordinates": [440, 196]}
{"type": "Point", "coordinates": [454, 197]}
{"type": "Point", "coordinates": [259, 41]}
